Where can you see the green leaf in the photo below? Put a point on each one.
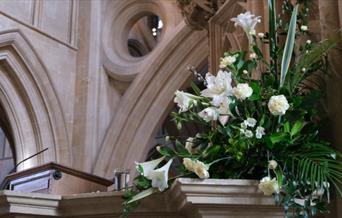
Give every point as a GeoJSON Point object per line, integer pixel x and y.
{"type": "Point", "coordinates": [278, 137]}
{"type": "Point", "coordinates": [167, 152]}
{"type": "Point", "coordinates": [256, 91]}
{"type": "Point", "coordinates": [181, 149]}
{"type": "Point", "coordinates": [273, 34]}
{"type": "Point", "coordinates": [195, 88]}
{"type": "Point", "coordinates": [142, 195]}
{"type": "Point", "coordinates": [296, 128]}
{"type": "Point", "coordinates": [288, 49]}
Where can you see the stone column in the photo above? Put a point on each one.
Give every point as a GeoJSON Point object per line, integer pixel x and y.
{"type": "Point", "coordinates": [330, 25]}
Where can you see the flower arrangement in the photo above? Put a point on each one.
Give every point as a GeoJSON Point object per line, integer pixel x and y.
{"type": "Point", "coordinates": [265, 129]}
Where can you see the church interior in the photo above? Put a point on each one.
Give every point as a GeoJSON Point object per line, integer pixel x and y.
{"type": "Point", "coordinates": [87, 88]}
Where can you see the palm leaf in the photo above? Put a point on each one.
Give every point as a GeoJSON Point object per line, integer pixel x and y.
{"type": "Point", "coordinates": [318, 166]}
{"type": "Point", "coordinates": [308, 60]}
{"type": "Point", "coordinates": [288, 49]}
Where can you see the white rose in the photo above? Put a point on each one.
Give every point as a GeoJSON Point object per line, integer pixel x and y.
{"type": "Point", "coordinates": [268, 186]}
{"type": "Point", "coordinates": [272, 164]}
{"type": "Point", "coordinates": [259, 132]}
{"type": "Point", "coordinates": [209, 114]}
{"type": "Point", "coordinates": [184, 100]}
{"type": "Point", "coordinates": [278, 105]}
{"type": "Point", "coordinates": [227, 61]}
{"type": "Point", "coordinates": [242, 91]}
{"type": "Point", "coordinates": [189, 145]}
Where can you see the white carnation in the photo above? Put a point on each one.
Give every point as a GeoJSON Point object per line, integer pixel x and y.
{"type": "Point", "coordinates": [242, 91]}
{"type": "Point", "coordinates": [209, 114]}
{"type": "Point", "coordinates": [268, 186]}
{"type": "Point", "coordinates": [278, 105]}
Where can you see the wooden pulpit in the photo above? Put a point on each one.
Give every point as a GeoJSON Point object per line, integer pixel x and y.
{"type": "Point", "coordinates": [54, 178]}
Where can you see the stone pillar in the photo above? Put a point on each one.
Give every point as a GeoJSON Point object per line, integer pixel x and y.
{"type": "Point", "coordinates": [330, 25]}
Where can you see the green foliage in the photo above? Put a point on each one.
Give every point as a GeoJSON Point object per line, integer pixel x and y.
{"type": "Point", "coordinates": [290, 41]}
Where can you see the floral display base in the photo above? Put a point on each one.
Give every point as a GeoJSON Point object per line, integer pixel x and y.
{"type": "Point", "coordinates": [218, 198]}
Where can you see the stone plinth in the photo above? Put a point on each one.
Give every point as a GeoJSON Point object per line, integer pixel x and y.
{"type": "Point", "coordinates": [187, 198]}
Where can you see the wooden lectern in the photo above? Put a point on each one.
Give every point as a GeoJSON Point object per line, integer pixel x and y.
{"type": "Point", "coordinates": [53, 178]}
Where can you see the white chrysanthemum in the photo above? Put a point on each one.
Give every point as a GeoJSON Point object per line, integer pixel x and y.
{"type": "Point", "coordinates": [160, 176]}
{"type": "Point", "coordinates": [218, 87]}
{"type": "Point", "coordinates": [247, 21]}
{"type": "Point", "coordinates": [259, 132]}
{"type": "Point", "coordinates": [272, 164]}
{"type": "Point", "coordinates": [268, 186]}
{"type": "Point", "coordinates": [278, 105]}
{"type": "Point", "coordinates": [209, 114]}
{"type": "Point", "coordinates": [184, 100]}
{"type": "Point", "coordinates": [225, 61]}
{"type": "Point", "coordinates": [242, 91]}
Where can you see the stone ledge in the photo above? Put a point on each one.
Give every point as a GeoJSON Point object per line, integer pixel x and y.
{"type": "Point", "coordinates": [190, 198]}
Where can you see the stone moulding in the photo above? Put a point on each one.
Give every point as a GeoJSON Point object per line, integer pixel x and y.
{"type": "Point", "coordinates": [187, 198]}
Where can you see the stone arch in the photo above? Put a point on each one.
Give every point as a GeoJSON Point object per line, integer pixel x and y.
{"type": "Point", "coordinates": [30, 103]}
{"type": "Point", "coordinates": [149, 98]}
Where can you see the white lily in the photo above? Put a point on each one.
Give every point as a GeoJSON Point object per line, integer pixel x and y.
{"type": "Point", "coordinates": [148, 166]}
{"type": "Point", "coordinates": [218, 87]}
{"type": "Point", "coordinates": [184, 100]}
{"type": "Point", "coordinates": [247, 21]}
{"type": "Point", "coordinates": [160, 176]}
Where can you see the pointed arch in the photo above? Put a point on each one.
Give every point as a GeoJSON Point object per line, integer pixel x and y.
{"type": "Point", "coordinates": [148, 100]}
{"type": "Point", "coordinates": [30, 102]}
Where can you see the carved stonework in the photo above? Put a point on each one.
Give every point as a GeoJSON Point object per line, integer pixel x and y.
{"type": "Point", "coordinates": [198, 12]}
